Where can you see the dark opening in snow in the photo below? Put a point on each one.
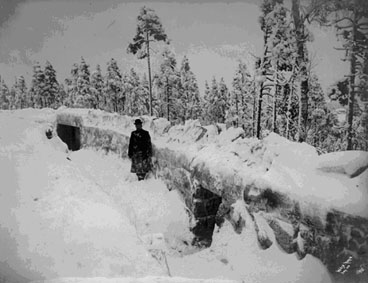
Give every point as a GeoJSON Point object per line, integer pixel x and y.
{"type": "Point", "coordinates": [70, 135]}
{"type": "Point", "coordinates": [205, 207]}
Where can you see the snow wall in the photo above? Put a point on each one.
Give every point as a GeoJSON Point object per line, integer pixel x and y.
{"type": "Point", "coordinates": [314, 204]}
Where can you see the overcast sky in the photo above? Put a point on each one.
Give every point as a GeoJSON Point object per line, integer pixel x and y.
{"type": "Point", "coordinates": [213, 34]}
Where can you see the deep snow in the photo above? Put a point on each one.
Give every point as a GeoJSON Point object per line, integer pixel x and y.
{"type": "Point", "coordinates": [82, 214]}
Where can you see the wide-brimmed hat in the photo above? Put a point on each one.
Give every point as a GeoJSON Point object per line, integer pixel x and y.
{"type": "Point", "coordinates": [137, 122]}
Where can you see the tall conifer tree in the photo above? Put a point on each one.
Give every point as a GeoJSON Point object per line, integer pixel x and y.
{"type": "Point", "coordinates": [189, 98]}
{"type": "Point", "coordinates": [97, 85]}
{"type": "Point", "coordinates": [51, 89]}
{"type": "Point", "coordinates": [113, 87]}
{"type": "Point", "coordinates": [149, 29]}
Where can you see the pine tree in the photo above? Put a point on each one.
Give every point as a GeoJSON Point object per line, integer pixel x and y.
{"type": "Point", "coordinates": [349, 17]}
{"type": "Point", "coordinates": [4, 94]}
{"type": "Point", "coordinates": [72, 86]}
{"type": "Point", "coordinates": [277, 70]}
{"type": "Point", "coordinates": [363, 95]}
{"type": "Point", "coordinates": [353, 28]}
{"type": "Point", "coordinates": [83, 96]}
{"type": "Point", "coordinates": [222, 101]}
{"type": "Point", "coordinates": [263, 66]}
{"type": "Point", "coordinates": [62, 98]}
{"type": "Point", "coordinates": [149, 29]}
{"type": "Point", "coordinates": [317, 112]}
{"type": "Point", "coordinates": [206, 104]}
{"type": "Point", "coordinates": [189, 99]}
{"type": "Point", "coordinates": [283, 60]}
{"type": "Point", "coordinates": [167, 81]}
{"type": "Point", "coordinates": [37, 89]}
{"type": "Point", "coordinates": [113, 87]}
{"type": "Point", "coordinates": [136, 94]}
{"type": "Point", "coordinates": [12, 94]}
{"type": "Point", "coordinates": [144, 95]}
{"type": "Point", "coordinates": [130, 82]}
{"type": "Point", "coordinates": [242, 100]}
{"type": "Point", "coordinates": [51, 89]}
{"type": "Point", "coordinates": [301, 38]}
{"type": "Point", "coordinates": [97, 85]}
{"type": "Point", "coordinates": [20, 93]}
{"type": "Point", "coordinates": [213, 111]}
{"type": "Point", "coordinates": [215, 102]}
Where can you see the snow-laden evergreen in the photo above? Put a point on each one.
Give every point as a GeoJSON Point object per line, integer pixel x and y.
{"type": "Point", "coordinates": [242, 100]}
{"type": "Point", "coordinates": [51, 86]}
{"type": "Point", "coordinates": [113, 86]}
{"type": "Point", "coordinates": [20, 93]}
{"type": "Point", "coordinates": [189, 98]}
{"type": "Point", "coordinates": [37, 87]}
{"type": "Point", "coordinates": [167, 82]}
{"type": "Point", "coordinates": [97, 85]}
{"type": "Point", "coordinates": [136, 94]}
{"type": "Point", "coordinates": [83, 95]}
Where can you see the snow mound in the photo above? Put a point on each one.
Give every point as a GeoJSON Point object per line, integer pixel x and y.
{"type": "Point", "coordinates": [351, 163]}
{"type": "Point", "coordinates": [326, 182]}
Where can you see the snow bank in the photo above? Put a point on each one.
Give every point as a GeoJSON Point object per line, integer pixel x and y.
{"type": "Point", "coordinates": [330, 181]}
{"type": "Point", "coordinates": [351, 163]}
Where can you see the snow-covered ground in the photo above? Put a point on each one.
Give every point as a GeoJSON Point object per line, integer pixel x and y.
{"type": "Point", "coordinates": [82, 214]}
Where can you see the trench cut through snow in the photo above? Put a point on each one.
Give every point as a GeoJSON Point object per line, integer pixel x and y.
{"type": "Point", "coordinates": [289, 202]}
{"type": "Point", "coordinates": [203, 203]}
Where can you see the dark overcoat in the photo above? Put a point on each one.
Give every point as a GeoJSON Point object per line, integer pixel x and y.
{"type": "Point", "coordinates": [140, 151]}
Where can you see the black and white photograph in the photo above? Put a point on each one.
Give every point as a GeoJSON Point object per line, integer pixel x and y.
{"type": "Point", "coordinates": [184, 141]}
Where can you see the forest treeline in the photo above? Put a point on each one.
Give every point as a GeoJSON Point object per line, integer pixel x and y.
{"type": "Point", "coordinates": [278, 93]}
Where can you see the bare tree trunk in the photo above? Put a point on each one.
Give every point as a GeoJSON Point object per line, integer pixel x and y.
{"type": "Point", "coordinates": [275, 94]}
{"type": "Point", "coordinates": [288, 113]}
{"type": "Point", "coordinates": [277, 91]}
{"type": "Point", "coordinates": [352, 85]}
{"type": "Point", "coordinates": [167, 99]}
{"type": "Point", "coordinates": [261, 89]}
{"type": "Point", "coordinates": [237, 109]}
{"type": "Point", "coordinates": [260, 98]}
{"type": "Point", "coordinates": [304, 85]}
{"type": "Point", "coordinates": [254, 114]}
{"type": "Point", "coordinates": [149, 76]}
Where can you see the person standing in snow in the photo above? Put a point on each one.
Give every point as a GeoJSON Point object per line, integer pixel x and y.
{"type": "Point", "coordinates": [140, 151]}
